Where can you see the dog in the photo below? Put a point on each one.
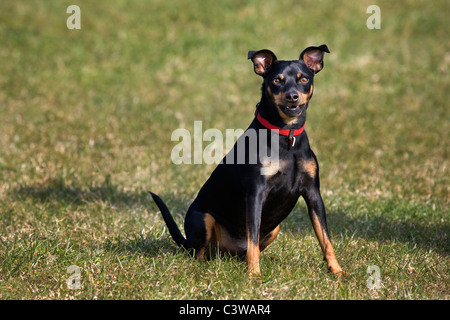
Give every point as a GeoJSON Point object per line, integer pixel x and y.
{"type": "Point", "coordinates": [240, 207]}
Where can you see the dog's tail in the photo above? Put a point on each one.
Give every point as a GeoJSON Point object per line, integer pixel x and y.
{"type": "Point", "coordinates": [168, 219]}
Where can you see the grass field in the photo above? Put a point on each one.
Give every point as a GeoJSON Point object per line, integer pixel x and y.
{"type": "Point", "coordinates": [86, 118]}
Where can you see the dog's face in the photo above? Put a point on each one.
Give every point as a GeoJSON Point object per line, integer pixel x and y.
{"type": "Point", "coordinates": [289, 84]}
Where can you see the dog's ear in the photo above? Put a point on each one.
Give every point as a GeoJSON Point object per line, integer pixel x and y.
{"type": "Point", "coordinates": [313, 57]}
{"type": "Point", "coordinates": [262, 61]}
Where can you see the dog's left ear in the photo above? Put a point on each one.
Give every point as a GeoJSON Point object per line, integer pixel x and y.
{"type": "Point", "coordinates": [313, 57]}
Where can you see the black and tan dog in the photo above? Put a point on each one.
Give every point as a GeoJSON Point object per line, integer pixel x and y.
{"type": "Point", "coordinates": [240, 207]}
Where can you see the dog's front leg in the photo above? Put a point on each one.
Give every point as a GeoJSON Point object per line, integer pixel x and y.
{"type": "Point", "coordinates": [253, 221]}
{"type": "Point", "coordinates": [316, 210]}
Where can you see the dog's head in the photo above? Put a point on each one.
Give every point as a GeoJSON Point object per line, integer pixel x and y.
{"type": "Point", "coordinates": [289, 84]}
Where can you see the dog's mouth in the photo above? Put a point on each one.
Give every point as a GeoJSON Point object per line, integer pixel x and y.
{"type": "Point", "coordinates": [293, 110]}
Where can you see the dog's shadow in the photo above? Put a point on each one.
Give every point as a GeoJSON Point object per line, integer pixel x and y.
{"type": "Point", "coordinates": [140, 245]}
{"type": "Point", "coordinates": [371, 227]}
{"type": "Point", "coordinates": [57, 192]}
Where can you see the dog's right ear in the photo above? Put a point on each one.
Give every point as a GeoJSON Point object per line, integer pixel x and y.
{"type": "Point", "coordinates": [262, 60]}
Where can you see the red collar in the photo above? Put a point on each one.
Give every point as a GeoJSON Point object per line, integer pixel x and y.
{"type": "Point", "coordinates": [291, 133]}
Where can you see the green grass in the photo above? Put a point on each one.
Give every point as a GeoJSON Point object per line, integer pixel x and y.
{"type": "Point", "coordinates": [86, 118]}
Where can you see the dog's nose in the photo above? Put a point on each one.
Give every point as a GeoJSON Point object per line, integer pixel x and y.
{"type": "Point", "coordinates": [292, 96]}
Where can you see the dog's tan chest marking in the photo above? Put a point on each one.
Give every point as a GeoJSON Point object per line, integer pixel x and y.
{"type": "Point", "coordinates": [270, 167]}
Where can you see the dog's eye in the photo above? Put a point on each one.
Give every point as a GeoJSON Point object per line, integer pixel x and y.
{"type": "Point", "coordinates": [276, 81]}
{"type": "Point", "coordinates": [304, 79]}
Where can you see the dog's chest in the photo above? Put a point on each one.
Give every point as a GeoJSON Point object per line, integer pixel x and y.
{"type": "Point", "coordinates": [288, 168]}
